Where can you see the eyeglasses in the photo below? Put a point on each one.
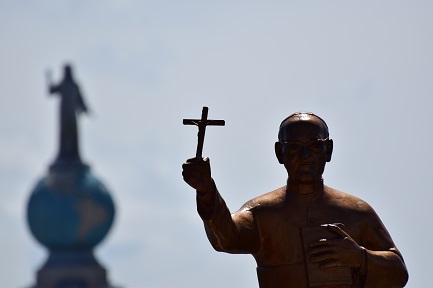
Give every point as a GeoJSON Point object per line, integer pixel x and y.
{"type": "Point", "coordinates": [314, 146]}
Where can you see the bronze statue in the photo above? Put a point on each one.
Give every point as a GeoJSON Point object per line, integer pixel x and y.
{"type": "Point", "coordinates": [304, 234]}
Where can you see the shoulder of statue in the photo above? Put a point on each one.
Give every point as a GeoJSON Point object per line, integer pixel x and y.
{"type": "Point", "coordinates": [274, 198]}
{"type": "Point", "coordinates": [346, 200]}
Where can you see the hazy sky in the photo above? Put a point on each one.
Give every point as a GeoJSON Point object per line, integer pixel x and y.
{"type": "Point", "coordinates": [366, 67]}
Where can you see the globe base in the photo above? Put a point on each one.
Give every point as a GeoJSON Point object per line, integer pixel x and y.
{"type": "Point", "coordinates": [67, 269]}
{"type": "Point", "coordinates": [68, 277]}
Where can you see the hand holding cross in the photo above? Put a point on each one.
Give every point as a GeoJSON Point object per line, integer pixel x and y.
{"type": "Point", "coordinates": [202, 123]}
{"type": "Point", "coordinates": [196, 171]}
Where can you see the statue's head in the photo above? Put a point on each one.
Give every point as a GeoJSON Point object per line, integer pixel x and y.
{"type": "Point", "coordinates": [68, 71]}
{"type": "Point", "coordinates": [304, 146]}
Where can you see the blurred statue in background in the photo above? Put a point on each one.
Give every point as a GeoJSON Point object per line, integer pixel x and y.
{"type": "Point", "coordinates": [304, 234]}
{"type": "Point", "coordinates": [70, 211]}
{"type": "Point", "coordinates": [71, 104]}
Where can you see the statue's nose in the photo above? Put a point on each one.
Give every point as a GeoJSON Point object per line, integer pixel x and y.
{"type": "Point", "coordinates": [304, 152]}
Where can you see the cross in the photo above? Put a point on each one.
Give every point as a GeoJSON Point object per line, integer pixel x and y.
{"type": "Point", "coordinates": [202, 123]}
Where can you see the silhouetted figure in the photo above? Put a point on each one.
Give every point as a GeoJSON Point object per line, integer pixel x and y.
{"type": "Point", "coordinates": [304, 234]}
{"type": "Point", "coordinates": [70, 211]}
{"type": "Point", "coordinates": [71, 104]}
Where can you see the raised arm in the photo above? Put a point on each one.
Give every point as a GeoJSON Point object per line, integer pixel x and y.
{"type": "Point", "coordinates": [235, 233]}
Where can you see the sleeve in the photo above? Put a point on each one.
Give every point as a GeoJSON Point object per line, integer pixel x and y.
{"type": "Point", "coordinates": [235, 233]}
{"type": "Point", "coordinates": [383, 264]}
{"type": "Point", "coordinates": [80, 104]}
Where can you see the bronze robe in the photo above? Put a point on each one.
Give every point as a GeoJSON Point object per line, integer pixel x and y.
{"type": "Point", "coordinates": [269, 228]}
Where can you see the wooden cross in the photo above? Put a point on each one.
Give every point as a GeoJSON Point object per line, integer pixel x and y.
{"type": "Point", "coordinates": [202, 123]}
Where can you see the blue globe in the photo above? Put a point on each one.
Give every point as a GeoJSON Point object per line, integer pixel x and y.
{"type": "Point", "coordinates": [70, 210]}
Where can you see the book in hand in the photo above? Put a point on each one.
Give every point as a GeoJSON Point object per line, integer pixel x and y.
{"type": "Point", "coordinates": [333, 276]}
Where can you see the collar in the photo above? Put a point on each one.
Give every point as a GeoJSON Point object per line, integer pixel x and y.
{"type": "Point", "coordinates": [300, 188]}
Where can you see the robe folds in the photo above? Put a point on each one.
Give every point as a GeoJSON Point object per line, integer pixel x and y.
{"type": "Point", "coordinates": [270, 227]}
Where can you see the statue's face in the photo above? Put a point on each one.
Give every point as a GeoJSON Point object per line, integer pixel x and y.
{"type": "Point", "coordinates": [304, 149]}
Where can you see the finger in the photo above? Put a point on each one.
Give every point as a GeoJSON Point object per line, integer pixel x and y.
{"type": "Point", "coordinates": [186, 174]}
{"type": "Point", "coordinates": [188, 168]}
{"type": "Point", "coordinates": [193, 165]}
{"type": "Point", "coordinates": [329, 264]}
{"type": "Point", "coordinates": [323, 242]}
{"type": "Point", "coordinates": [189, 178]}
{"type": "Point", "coordinates": [195, 159]}
{"type": "Point", "coordinates": [199, 161]}
{"type": "Point", "coordinates": [192, 181]}
{"type": "Point", "coordinates": [341, 225]}
{"type": "Point", "coordinates": [185, 165]}
{"type": "Point", "coordinates": [322, 250]}
{"type": "Point", "coordinates": [190, 173]}
{"type": "Point", "coordinates": [324, 258]}
{"type": "Point", "coordinates": [336, 230]}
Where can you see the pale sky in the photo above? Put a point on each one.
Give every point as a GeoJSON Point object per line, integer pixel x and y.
{"type": "Point", "coordinates": [366, 67]}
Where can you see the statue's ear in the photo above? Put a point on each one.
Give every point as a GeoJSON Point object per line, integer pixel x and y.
{"type": "Point", "coordinates": [279, 152]}
{"type": "Point", "coordinates": [329, 148]}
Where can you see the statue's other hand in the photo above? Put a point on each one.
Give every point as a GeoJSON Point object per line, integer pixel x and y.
{"type": "Point", "coordinates": [343, 251]}
{"type": "Point", "coordinates": [196, 172]}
